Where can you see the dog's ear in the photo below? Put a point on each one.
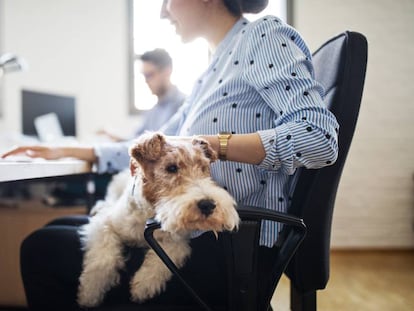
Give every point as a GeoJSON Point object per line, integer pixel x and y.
{"type": "Point", "coordinates": [133, 166]}
{"type": "Point", "coordinates": [149, 147]}
{"type": "Point", "coordinates": [206, 148]}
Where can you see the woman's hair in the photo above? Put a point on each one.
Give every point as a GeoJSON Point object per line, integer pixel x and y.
{"type": "Point", "coordinates": [238, 7]}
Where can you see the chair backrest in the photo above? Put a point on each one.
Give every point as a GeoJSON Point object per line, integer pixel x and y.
{"type": "Point", "coordinates": [340, 65]}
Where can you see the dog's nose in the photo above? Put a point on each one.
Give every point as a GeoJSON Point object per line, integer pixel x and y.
{"type": "Point", "coordinates": [206, 206]}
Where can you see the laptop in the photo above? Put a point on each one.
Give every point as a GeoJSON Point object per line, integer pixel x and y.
{"type": "Point", "coordinates": [48, 128]}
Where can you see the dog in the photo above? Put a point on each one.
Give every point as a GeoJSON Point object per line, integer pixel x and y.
{"type": "Point", "coordinates": [170, 181]}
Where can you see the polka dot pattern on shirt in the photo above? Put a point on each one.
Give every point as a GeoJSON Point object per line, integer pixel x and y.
{"type": "Point", "coordinates": [271, 58]}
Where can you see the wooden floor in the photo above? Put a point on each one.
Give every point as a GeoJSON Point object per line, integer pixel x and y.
{"type": "Point", "coordinates": [362, 280]}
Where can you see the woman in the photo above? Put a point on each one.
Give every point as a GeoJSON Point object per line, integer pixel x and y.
{"type": "Point", "coordinates": [259, 95]}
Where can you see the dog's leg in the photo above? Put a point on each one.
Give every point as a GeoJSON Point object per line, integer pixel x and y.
{"type": "Point", "coordinates": [102, 261]}
{"type": "Point", "coordinates": [153, 275]}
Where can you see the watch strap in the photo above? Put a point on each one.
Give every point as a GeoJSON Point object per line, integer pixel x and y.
{"type": "Point", "coordinates": [223, 144]}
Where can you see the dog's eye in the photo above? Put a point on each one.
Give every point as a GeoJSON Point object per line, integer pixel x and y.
{"type": "Point", "coordinates": [172, 168]}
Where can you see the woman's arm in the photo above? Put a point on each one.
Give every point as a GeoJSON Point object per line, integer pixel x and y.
{"type": "Point", "coordinates": [245, 148]}
{"type": "Point", "coordinates": [54, 153]}
{"type": "Point", "coordinates": [109, 158]}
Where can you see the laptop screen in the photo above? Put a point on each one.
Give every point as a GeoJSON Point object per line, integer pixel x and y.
{"type": "Point", "coordinates": [35, 104]}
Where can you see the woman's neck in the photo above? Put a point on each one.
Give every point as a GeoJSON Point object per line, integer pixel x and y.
{"type": "Point", "coordinates": [218, 27]}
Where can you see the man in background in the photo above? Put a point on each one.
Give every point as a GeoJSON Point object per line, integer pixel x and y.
{"type": "Point", "coordinates": [156, 68]}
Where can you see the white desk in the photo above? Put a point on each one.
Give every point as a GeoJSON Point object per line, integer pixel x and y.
{"type": "Point", "coordinates": [19, 170]}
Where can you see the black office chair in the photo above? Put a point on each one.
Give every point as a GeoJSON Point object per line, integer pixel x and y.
{"type": "Point", "coordinates": [340, 65]}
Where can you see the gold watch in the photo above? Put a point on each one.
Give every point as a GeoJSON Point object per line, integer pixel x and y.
{"type": "Point", "coordinates": [223, 144]}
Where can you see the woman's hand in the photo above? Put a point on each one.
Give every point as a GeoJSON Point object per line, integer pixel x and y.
{"type": "Point", "coordinates": [48, 153]}
{"type": "Point", "coordinates": [53, 153]}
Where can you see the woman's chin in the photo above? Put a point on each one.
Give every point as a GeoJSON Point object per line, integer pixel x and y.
{"type": "Point", "coordinates": [186, 39]}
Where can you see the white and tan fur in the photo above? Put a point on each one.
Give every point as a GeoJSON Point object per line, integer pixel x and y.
{"type": "Point", "coordinates": [171, 182]}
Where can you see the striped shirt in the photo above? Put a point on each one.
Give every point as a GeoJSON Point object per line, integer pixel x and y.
{"type": "Point", "coordinates": [260, 79]}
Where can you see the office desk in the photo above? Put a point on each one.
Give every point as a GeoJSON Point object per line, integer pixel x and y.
{"type": "Point", "coordinates": [19, 170]}
{"type": "Point", "coordinates": [19, 220]}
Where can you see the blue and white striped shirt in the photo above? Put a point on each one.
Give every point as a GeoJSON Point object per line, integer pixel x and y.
{"type": "Point", "coordinates": [260, 79]}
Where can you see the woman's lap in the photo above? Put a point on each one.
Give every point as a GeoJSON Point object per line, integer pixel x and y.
{"type": "Point", "coordinates": [51, 260]}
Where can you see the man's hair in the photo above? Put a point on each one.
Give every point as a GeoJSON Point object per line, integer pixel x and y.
{"type": "Point", "coordinates": [158, 57]}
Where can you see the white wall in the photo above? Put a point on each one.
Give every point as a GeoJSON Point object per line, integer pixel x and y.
{"type": "Point", "coordinates": [375, 203]}
{"type": "Point", "coordinates": [73, 47]}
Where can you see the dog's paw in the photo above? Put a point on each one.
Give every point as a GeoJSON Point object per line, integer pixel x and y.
{"type": "Point", "coordinates": [144, 290]}
{"type": "Point", "coordinates": [89, 299]}
{"type": "Point", "coordinates": [91, 291]}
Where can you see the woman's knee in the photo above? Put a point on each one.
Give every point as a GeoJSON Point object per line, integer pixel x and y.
{"type": "Point", "coordinates": [50, 247]}
{"type": "Point", "coordinates": [72, 220]}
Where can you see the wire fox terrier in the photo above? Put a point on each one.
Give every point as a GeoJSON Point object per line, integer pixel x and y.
{"type": "Point", "coordinates": [170, 182]}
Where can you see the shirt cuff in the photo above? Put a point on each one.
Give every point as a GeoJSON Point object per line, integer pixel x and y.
{"type": "Point", "coordinates": [278, 144]}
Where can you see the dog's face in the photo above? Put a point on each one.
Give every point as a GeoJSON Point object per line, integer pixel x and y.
{"type": "Point", "coordinates": [176, 181]}
{"type": "Point", "coordinates": [166, 166]}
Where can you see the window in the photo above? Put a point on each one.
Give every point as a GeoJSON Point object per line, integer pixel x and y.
{"type": "Point", "coordinates": [148, 31]}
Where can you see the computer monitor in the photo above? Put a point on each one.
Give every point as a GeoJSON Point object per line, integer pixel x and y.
{"type": "Point", "coordinates": [35, 104]}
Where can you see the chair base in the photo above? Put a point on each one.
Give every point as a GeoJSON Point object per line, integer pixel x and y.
{"type": "Point", "coordinates": [302, 301]}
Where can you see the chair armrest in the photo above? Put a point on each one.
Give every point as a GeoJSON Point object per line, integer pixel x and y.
{"type": "Point", "coordinates": [246, 213]}
{"type": "Point", "coordinates": [256, 213]}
